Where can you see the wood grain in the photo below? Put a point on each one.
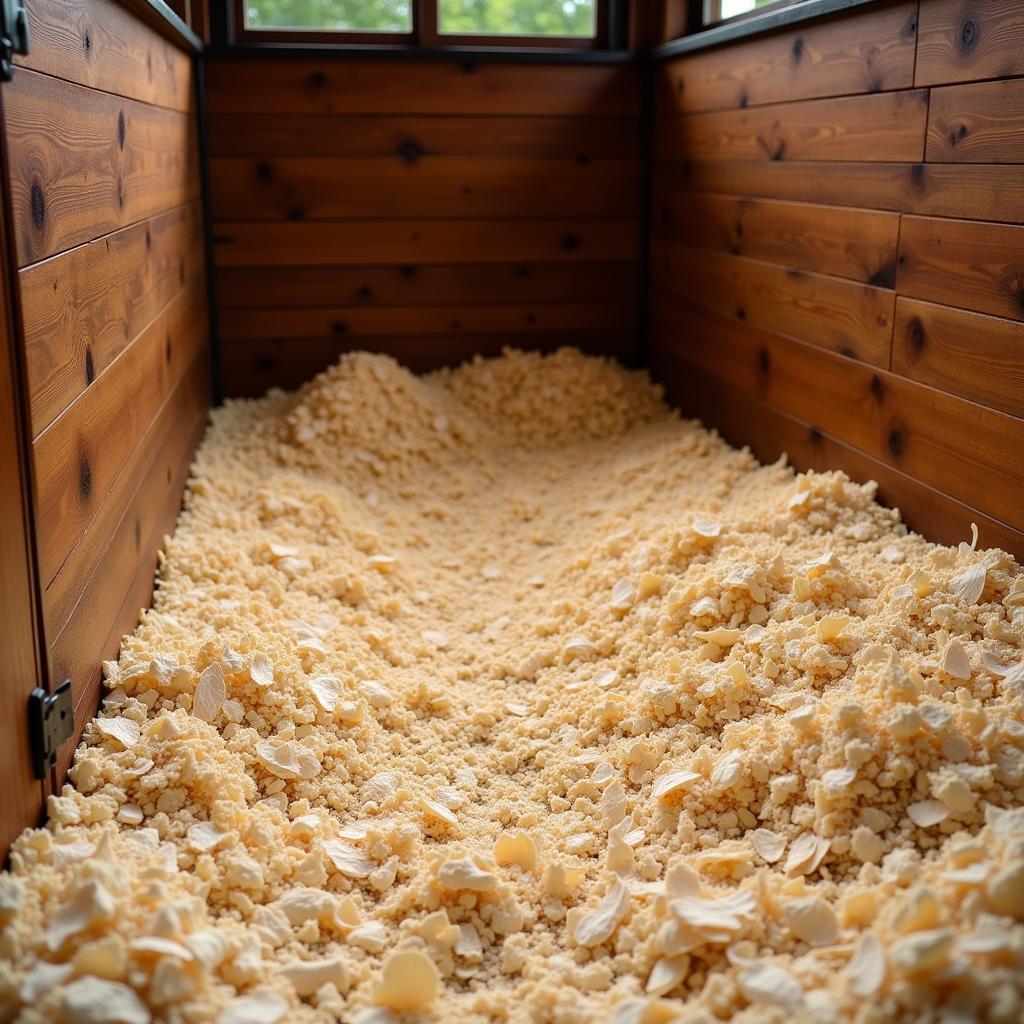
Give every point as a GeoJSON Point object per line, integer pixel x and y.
{"type": "Point", "coordinates": [97, 43]}
{"type": "Point", "coordinates": [156, 459]}
{"type": "Point", "coordinates": [940, 190]}
{"type": "Point", "coordinates": [308, 86]}
{"type": "Point", "coordinates": [355, 322]}
{"type": "Point", "coordinates": [968, 354]}
{"type": "Point", "coordinates": [356, 135]}
{"type": "Point", "coordinates": [870, 51]}
{"type": "Point", "coordinates": [122, 584]}
{"type": "Point", "coordinates": [84, 163]}
{"type": "Point", "coordinates": [881, 126]}
{"type": "Point", "coordinates": [396, 187]}
{"type": "Point", "coordinates": [966, 40]}
{"type": "Point", "coordinates": [239, 244]}
{"type": "Point", "coordinates": [83, 308]}
{"type": "Point", "coordinates": [843, 316]}
{"type": "Point", "coordinates": [254, 366]}
{"type": "Point", "coordinates": [966, 264]}
{"type": "Point", "coordinates": [980, 123]}
{"type": "Point", "coordinates": [79, 456]}
{"type": "Point", "coordinates": [854, 243]}
{"type": "Point", "coordinates": [917, 429]}
{"type": "Point", "coordinates": [742, 418]}
{"type": "Point", "coordinates": [424, 285]}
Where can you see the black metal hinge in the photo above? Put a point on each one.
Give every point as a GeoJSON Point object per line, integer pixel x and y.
{"type": "Point", "coordinates": [51, 722]}
{"type": "Point", "coordinates": [13, 35]}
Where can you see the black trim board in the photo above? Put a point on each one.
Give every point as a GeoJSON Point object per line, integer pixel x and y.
{"type": "Point", "coordinates": [478, 54]}
{"type": "Point", "coordinates": [755, 25]}
{"type": "Point", "coordinates": [162, 19]}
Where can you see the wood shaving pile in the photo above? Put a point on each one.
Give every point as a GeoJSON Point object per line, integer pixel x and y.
{"type": "Point", "coordinates": [506, 694]}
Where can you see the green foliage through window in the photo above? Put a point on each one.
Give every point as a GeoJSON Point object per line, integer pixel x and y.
{"type": "Point", "coordinates": [570, 18]}
{"type": "Point", "coordinates": [574, 18]}
{"type": "Point", "coordinates": [330, 15]}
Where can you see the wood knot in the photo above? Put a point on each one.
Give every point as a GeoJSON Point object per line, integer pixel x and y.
{"type": "Point", "coordinates": [877, 387]}
{"type": "Point", "coordinates": [364, 291]}
{"type": "Point", "coordinates": [339, 327]}
{"type": "Point", "coordinates": [87, 42]}
{"type": "Point", "coordinates": [915, 334]}
{"type": "Point", "coordinates": [410, 151]}
{"type": "Point", "coordinates": [38, 205]}
{"type": "Point", "coordinates": [149, 239]}
{"type": "Point", "coordinates": [741, 313]}
{"type": "Point", "coordinates": [468, 67]}
{"type": "Point", "coordinates": [168, 348]}
{"type": "Point", "coordinates": [896, 441]}
{"type": "Point", "coordinates": [968, 34]}
{"type": "Point", "coordinates": [407, 270]}
{"type": "Point", "coordinates": [815, 436]}
{"type": "Point", "coordinates": [90, 366]}
{"type": "Point", "coordinates": [121, 129]}
{"type": "Point", "coordinates": [138, 532]}
{"type": "Point", "coordinates": [264, 172]}
{"type": "Point", "coordinates": [84, 477]}
{"type": "Point", "coordinates": [318, 79]}
{"type": "Point", "coordinates": [884, 276]}
{"type": "Point", "coordinates": [681, 86]}
{"type": "Point", "coordinates": [522, 270]}
{"type": "Point", "coordinates": [570, 242]}
{"type": "Point", "coordinates": [798, 49]}
{"type": "Point", "coordinates": [764, 361]}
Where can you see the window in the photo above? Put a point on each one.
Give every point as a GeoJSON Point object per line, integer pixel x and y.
{"type": "Point", "coordinates": [569, 23]}
{"type": "Point", "coordinates": [724, 10]}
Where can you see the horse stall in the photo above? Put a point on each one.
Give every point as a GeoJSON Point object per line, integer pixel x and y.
{"type": "Point", "coordinates": [512, 511]}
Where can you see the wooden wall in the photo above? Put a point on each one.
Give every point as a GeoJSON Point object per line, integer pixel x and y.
{"type": "Point", "coordinates": [430, 210]}
{"type": "Point", "coordinates": [103, 163]}
{"type": "Point", "coordinates": [837, 254]}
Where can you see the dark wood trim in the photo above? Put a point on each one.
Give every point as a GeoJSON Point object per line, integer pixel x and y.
{"type": "Point", "coordinates": [159, 17]}
{"type": "Point", "coordinates": [757, 23]}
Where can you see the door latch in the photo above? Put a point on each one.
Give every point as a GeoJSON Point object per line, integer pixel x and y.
{"type": "Point", "coordinates": [51, 718]}
{"type": "Point", "coordinates": [13, 35]}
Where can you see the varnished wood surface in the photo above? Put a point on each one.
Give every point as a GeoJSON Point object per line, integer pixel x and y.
{"type": "Point", "coordinates": [310, 86]}
{"type": "Point", "coordinates": [84, 163]}
{"type": "Point", "coordinates": [79, 456]}
{"type": "Point", "coordinates": [98, 43]}
{"type": "Point", "coordinates": [400, 187]}
{"type": "Point", "coordinates": [977, 123]}
{"type": "Point", "coordinates": [83, 307]}
{"type": "Point", "coordinates": [834, 57]}
{"type": "Point", "coordinates": [878, 126]}
{"type": "Point", "coordinates": [965, 40]}
{"type": "Point", "coordinates": [973, 191]}
{"type": "Point", "coordinates": [776, 188]}
{"type": "Point", "coordinates": [968, 354]}
{"type": "Point", "coordinates": [844, 316]}
{"type": "Point", "coordinates": [854, 243]}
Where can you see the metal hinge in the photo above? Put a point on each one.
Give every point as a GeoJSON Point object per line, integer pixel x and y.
{"type": "Point", "coordinates": [13, 35]}
{"type": "Point", "coordinates": [51, 722]}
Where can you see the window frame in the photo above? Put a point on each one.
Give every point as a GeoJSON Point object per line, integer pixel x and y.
{"type": "Point", "coordinates": [711, 12]}
{"type": "Point", "coordinates": [425, 33]}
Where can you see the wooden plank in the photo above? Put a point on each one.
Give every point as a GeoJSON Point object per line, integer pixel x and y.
{"type": "Point", "coordinates": [743, 419]}
{"type": "Point", "coordinates": [257, 135]}
{"type": "Point", "coordinates": [968, 354]}
{"type": "Point", "coordinates": [965, 264]}
{"type": "Point", "coordinates": [939, 190]}
{"type": "Point", "coordinates": [303, 85]}
{"type": "Point", "coordinates": [249, 368]}
{"type": "Point", "coordinates": [973, 453]}
{"type": "Point", "coordinates": [84, 163]}
{"type": "Point", "coordinates": [139, 489]}
{"type": "Point", "coordinates": [867, 51]}
{"type": "Point", "coordinates": [966, 40]}
{"type": "Point", "coordinates": [19, 632]}
{"type": "Point", "coordinates": [395, 187]}
{"type": "Point", "coordinates": [79, 456]}
{"type": "Point", "coordinates": [844, 316]}
{"type": "Point", "coordinates": [978, 123]}
{"type": "Point", "coordinates": [83, 643]}
{"type": "Point", "coordinates": [424, 285]}
{"type": "Point", "coordinates": [355, 322]}
{"type": "Point", "coordinates": [876, 127]}
{"type": "Point", "coordinates": [362, 243]}
{"type": "Point", "coordinates": [854, 243]}
{"type": "Point", "coordinates": [97, 43]}
{"type": "Point", "coordinates": [83, 308]}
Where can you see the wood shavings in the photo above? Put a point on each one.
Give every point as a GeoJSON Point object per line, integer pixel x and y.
{"type": "Point", "coordinates": [579, 708]}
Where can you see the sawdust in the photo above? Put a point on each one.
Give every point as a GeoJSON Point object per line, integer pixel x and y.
{"type": "Point", "coordinates": [506, 694]}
